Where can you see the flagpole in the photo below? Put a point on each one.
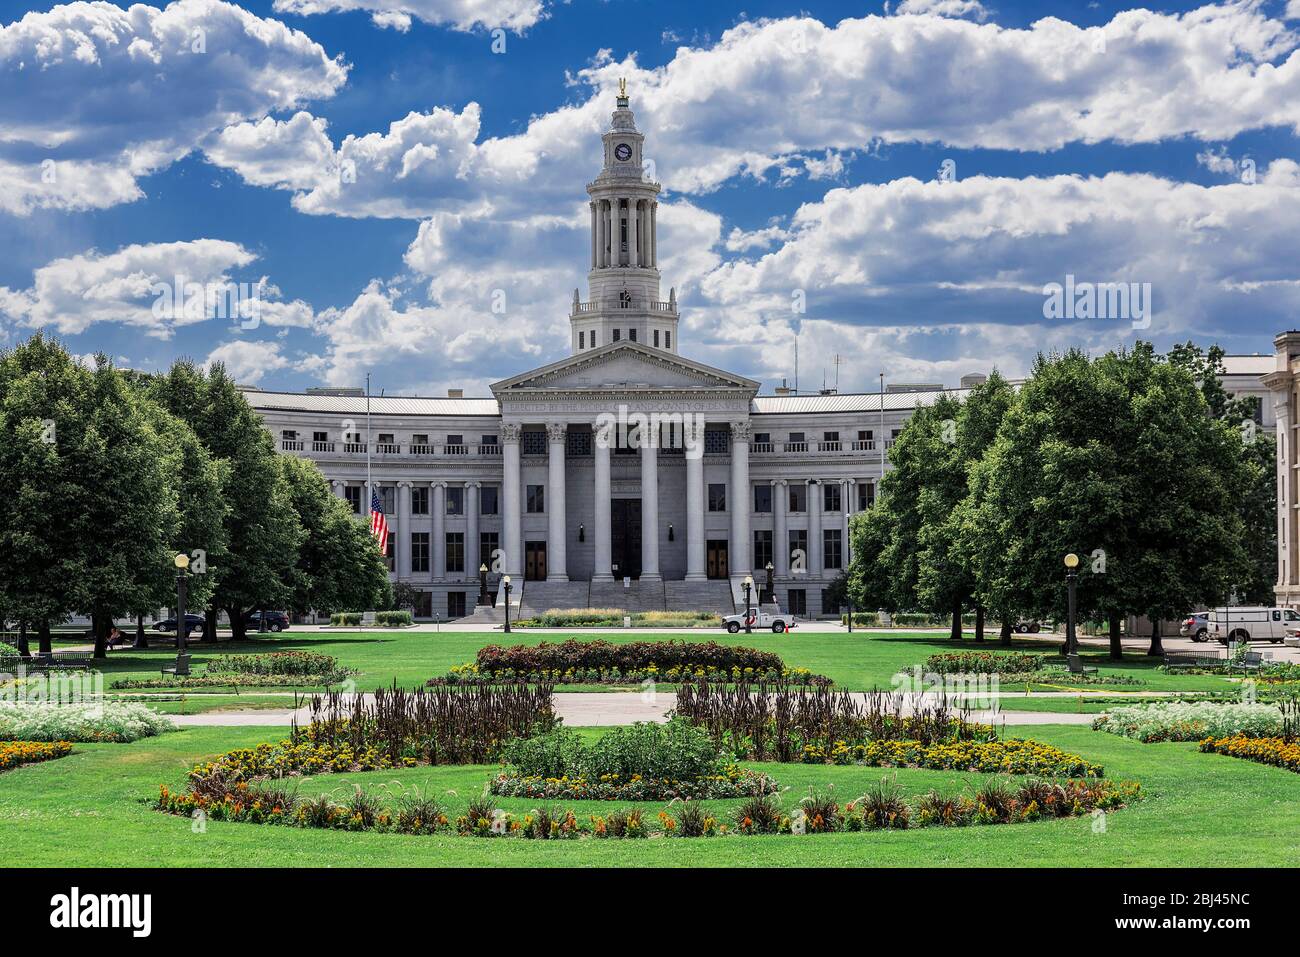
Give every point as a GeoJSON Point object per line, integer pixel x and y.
{"type": "Point", "coordinates": [369, 486]}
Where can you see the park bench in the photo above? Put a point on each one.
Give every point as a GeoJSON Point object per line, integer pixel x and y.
{"type": "Point", "coordinates": [1075, 667]}
{"type": "Point", "coordinates": [1190, 659]}
{"type": "Point", "coordinates": [55, 661]}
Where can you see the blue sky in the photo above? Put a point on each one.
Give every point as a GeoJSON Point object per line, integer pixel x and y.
{"type": "Point", "coordinates": [798, 147]}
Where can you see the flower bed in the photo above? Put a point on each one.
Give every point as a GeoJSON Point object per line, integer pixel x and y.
{"type": "Point", "coordinates": [1190, 721]}
{"type": "Point", "coordinates": [16, 753]}
{"type": "Point", "coordinates": [90, 721]}
{"type": "Point", "coordinates": [984, 663]}
{"type": "Point", "coordinates": [650, 762]}
{"type": "Point", "coordinates": [278, 669]}
{"type": "Point", "coordinates": [1013, 756]}
{"type": "Point", "coordinates": [1279, 752]}
{"type": "Point", "coordinates": [881, 808]}
{"type": "Point", "coordinates": [470, 674]}
{"type": "Point", "coordinates": [632, 656]}
{"type": "Point", "coordinates": [613, 618]}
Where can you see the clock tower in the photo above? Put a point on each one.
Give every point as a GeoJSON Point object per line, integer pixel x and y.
{"type": "Point", "coordinates": [623, 285]}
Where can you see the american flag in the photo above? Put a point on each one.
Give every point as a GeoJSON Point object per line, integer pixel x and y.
{"type": "Point", "coordinates": [378, 524]}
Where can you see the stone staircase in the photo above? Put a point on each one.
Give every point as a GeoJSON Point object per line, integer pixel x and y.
{"type": "Point", "coordinates": [710, 596]}
{"type": "Point", "coordinates": [638, 596]}
{"type": "Point", "coordinates": [543, 596]}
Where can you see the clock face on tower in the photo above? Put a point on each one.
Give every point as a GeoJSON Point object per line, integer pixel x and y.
{"type": "Point", "coordinates": [623, 152]}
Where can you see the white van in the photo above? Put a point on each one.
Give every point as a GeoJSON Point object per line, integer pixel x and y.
{"type": "Point", "coordinates": [1251, 624]}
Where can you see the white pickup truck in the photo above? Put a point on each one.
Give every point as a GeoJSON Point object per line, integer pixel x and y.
{"type": "Point", "coordinates": [1256, 623]}
{"type": "Point", "coordinates": [759, 621]}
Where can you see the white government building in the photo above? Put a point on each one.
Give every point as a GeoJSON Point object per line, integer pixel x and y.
{"type": "Point", "coordinates": [547, 481]}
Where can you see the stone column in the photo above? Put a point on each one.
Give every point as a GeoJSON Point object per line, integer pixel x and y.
{"type": "Point", "coordinates": [511, 517]}
{"type": "Point", "coordinates": [649, 503]}
{"type": "Point", "coordinates": [738, 553]}
{"type": "Point", "coordinates": [365, 499]}
{"type": "Point", "coordinates": [693, 437]}
{"type": "Point", "coordinates": [557, 527]}
{"type": "Point", "coordinates": [780, 530]}
{"type": "Point", "coordinates": [438, 511]}
{"type": "Point", "coordinates": [815, 564]}
{"type": "Point", "coordinates": [848, 489]}
{"type": "Point", "coordinates": [403, 530]}
{"type": "Point", "coordinates": [654, 234]}
{"type": "Point", "coordinates": [602, 436]}
{"type": "Point", "coordinates": [594, 233]}
{"type": "Point", "coordinates": [472, 559]}
{"type": "Point", "coordinates": [633, 239]}
{"type": "Point", "coordinates": [340, 489]}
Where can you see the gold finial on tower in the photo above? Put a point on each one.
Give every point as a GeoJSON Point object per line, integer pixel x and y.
{"type": "Point", "coordinates": [622, 88]}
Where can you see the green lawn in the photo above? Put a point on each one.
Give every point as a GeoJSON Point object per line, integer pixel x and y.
{"type": "Point", "coordinates": [92, 809]}
{"type": "Point", "coordinates": [857, 661]}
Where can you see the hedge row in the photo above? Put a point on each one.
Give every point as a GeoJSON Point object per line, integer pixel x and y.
{"type": "Point", "coordinates": [353, 618]}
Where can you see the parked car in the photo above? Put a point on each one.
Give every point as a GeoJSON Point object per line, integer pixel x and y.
{"type": "Point", "coordinates": [775, 621]}
{"type": "Point", "coordinates": [275, 620]}
{"type": "Point", "coordinates": [1028, 626]}
{"type": "Point", "coordinates": [1257, 623]}
{"type": "Point", "coordinates": [169, 624]}
{"type": "Point", "coordinates": [1196, 627]}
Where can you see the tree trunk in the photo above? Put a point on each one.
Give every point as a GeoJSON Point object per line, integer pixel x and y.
{"type": "Point", "coordinates": [141, 639]}
{"type": "Point", "coordinates": [1004, 635]}
{"type": "Point", "coordinates": [210, 624]}
{"type": "Point", "coordinates": [45, 643]}
{"type": "Point", "coordinates": [99, 622]}
{"type": "Point", "coordinates": [237, 630]}
{"type": "Point", "coordinates": [24, 648]}
{"type": "Point", "coordinates": [955, 634]}
{"type": "Point", "coordinates": [1156, 648]}
{"type": "Point", "coordinates": [1116, 646]}
{"type": "Point", "coordinates": [979, 622]}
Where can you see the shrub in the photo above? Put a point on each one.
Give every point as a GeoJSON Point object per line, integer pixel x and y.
{"type": "Point", "coordinates": [1190, 721]}
{"type": "Point", "coordinates": [276, 663]}
{"type": "Point", "coordinates": [470, 674]}
{"type": "Point", "coordinates": [15, 753]}
{"type": "Point", "coordinates": [866, 618]}
{"type": "Point", "coordinates": [631, 656]}
{"type": "Point", "coordinates": [92, 721]}
{"type": "Point", "coordinates": [393, 618]}
{"type": "Point", "coordinates": [346, 618]}
{"type": "Point", "coordinates": [8, 651]}
{"type": "Point", "coordinates": [760, 814]}
{"type": "Point", "coordinates": [913, 619]}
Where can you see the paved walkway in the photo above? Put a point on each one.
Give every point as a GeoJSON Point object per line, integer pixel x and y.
{"type": "Point", "coordinates": [605, 708]}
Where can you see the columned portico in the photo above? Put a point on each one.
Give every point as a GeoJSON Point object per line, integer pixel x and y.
{"type": "Point", "coordinates": [738, 556]}
{"type": "Point", "coordinates": [438, 505]}
{"type": "Point", "coordinates": [694, 439]}
{"type": "Point", "coordinates": [815, 564]}
{"type": "Point", "coordinates": [649, 504]}
{"type": "Point", "coordinates": [557, 527]}
{"type": "Point", "coordinates": [780, 531]}
{"type": "Point", "coordinates": [511, 516]}
{"type": "Point", "coordinates": [472, 559]}
{"type": "Point", "coordinates": [403, 530]}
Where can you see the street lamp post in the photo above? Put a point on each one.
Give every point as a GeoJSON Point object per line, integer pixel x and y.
{"type": "Point", "coordinates": [505, 580]}
{"type": "Point", "coordinates": [482, 584]}
{"type": "Point", "coordinates": [182, 563]}
{"type": "Point", "coordinates": [848, 597]}
{"type": "Point", "coordinates": [1071, 575]}
{"type": "Point", "coordinates": [771, 589]}
{"type": "Point", "coordinates": [749, 587]}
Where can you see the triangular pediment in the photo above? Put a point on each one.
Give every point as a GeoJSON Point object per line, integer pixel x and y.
{"type": "Point", "coordinates": [624, 367]}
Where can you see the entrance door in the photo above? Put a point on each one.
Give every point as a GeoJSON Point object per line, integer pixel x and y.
{"type": "Point", "coordinates": [534, 561]}
{"type": "Point", "coordinates": [716, 558]}
{"type": "Point", "coordinates": [625, 537]}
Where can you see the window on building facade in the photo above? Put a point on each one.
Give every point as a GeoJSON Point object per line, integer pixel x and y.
{"type": "Point", "coordinates": [618, 334]}
{"type": "Point", "coordinates": [762, 549]}
{"type": "Point", "coordinates": [456, 552]}
{"type": "Point", "coordinates": [488, 543]}
{"type": "Point", "coordinates": [386, 495]}
{"type": "Point", "coordinates": [830, 436]}
{"type": "Point", "coordinates": [668, 340]}
{"type": "Point", "coordinates": [865, 435]}
{"type": "Point", "coordinates": [631, 335]}
{"type": "Point", "coordinates": [832, 545]}
{"type": "Point", "coordinates": [762, 438]}
{"type": "Point", "coordinates": [578, 443]}
{"type": "Point", "coordinates": [582, 340]}
{"type": "Point", "coordinates": [455, 604]}
{"type": "Point", "coordinates": [320, 436]}
{"type": "Point", "coordinates": [593, 338]}
{"type": "Point", "coordinates": [419, 551]}
{"type": "Point", "coordinates": [387, 438]}
{"type": "Point", "coordinates": [656, 338]}
{"type": "Point", "coordinates": [866, 495]}
{"type": "Point", "coordinates": [536, 499]}
{"type": "Point", "coordinates": [533, 443]}
{"type": "Point", "coordinates": [353, 495]}
{"type": "Point", "coordinates": [762, 498]}
{"type": "Point", "coordinates": [717, 497]}
{"type": "Point", "coordinates": [424, 604]}
{"type": "Point", "coordinates": [798, 497]}
{"type": "Point", "coordinates": [419, 440]}
{"type": "Point", "coordinates": [717, 441]}
{"type": "Point", "coordinates": [831, 496]}
{"type": "Point", "coordinates": [828, 608]}
{"type": "Point", "coordinates": [799, 549]}
{"type": "Point", "coordinates": [798, 437]}
{"type": "Point", "coordinates": [488, 440]}
{"type": "Point", "coordinates": [455, 500]}
{"type": "Point", "coordinates": [488, 496]}
{"type": "Point", "coordinates": [420, 500]}
{"type": "Point", "coordinates": [456, 440]}
{"type": "Point", "coordinates": [797, 599]}
{"type": "Point", "coordinates": [388, 553]}
{"type": "Point", "coordinates": [894, 433]}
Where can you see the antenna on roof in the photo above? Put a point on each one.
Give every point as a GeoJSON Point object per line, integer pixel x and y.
{"type": "Point", "coordinates": [796, 363]}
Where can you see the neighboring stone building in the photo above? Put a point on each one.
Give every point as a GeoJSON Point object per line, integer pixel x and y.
{"type": "Point", "coordinates": [547, 481]}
